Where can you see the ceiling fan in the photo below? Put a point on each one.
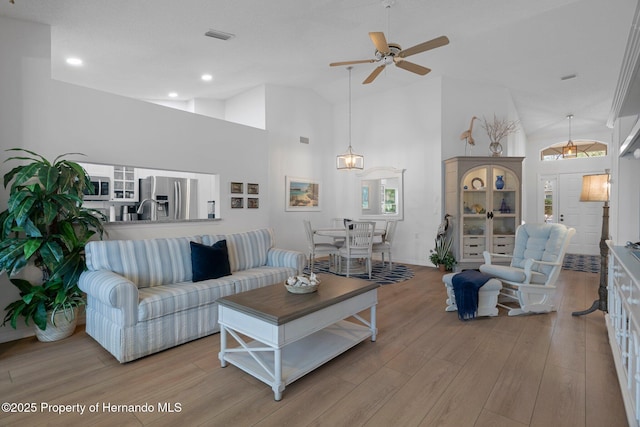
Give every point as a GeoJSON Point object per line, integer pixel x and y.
{"type": "Point", "coordinates": [392, 53]}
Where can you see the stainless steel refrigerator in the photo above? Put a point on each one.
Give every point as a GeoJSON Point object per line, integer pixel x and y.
{"type": "Point", "coordinates": [164, 198]}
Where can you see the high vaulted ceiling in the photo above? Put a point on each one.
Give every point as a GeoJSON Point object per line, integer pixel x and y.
{"type": "Point", "coordinates": [145, 49]}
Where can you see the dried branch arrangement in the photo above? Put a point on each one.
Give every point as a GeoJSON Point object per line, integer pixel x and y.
{"type": "Point", "coordinates": [499, 128]}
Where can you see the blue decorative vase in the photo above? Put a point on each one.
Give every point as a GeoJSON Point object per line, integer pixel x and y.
{"type": "Point", "coordinates": [499, 182]}
{"type": "Point", "coordinates": [503, 207]}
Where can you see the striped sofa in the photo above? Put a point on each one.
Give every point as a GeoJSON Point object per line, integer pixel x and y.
{"type": "Point", "coordinates": [141, 298]}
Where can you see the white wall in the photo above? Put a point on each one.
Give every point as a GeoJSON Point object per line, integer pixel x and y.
{"type": "Point", "coordinates": [178, 105]}
{"type": "Point", "coordinates": [247, 108]}
{"type": "Point", "coordinates": [209, 107]}
{"type": "Point", "coordinates": [400, 129]}
{"type": "Point", "coordinates": [290, 114]}
{"type": "Point", "coordinates": [205, 106]}
{"type": "Point", "coordinates": [624, 213]}
{"type": "Point", "coordinates": [461, 100]}
{"type": "Point", "coordinates": [18, 40]}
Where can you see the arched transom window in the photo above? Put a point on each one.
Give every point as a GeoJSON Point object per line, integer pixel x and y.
{"type": "Point", "coordinates": [583, 149]}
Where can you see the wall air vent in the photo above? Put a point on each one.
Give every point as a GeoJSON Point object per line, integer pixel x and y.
{"type": "Point", "coordinates": [219, 35]}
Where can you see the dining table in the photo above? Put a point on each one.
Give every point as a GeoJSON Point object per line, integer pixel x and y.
{"type": "Point", "coordinates": [341, 233]}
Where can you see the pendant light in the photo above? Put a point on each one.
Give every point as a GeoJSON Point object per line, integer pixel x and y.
{"type": "Point", "coordinates": [569, 150]}
{"type": "Point", "coordinates": [349, 160]}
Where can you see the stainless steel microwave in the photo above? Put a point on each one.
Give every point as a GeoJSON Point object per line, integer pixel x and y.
{"type": "Point", "coordinates": [101, 189]}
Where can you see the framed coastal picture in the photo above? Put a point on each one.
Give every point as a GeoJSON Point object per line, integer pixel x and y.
{"type": "Point", "coordinates": [237, 188]}
{"type": "Point", "coordinates": [302, 194]}
{"type": "Point", "coordinates": [253, 188]}
{"type": "Point", "coordinates": [237, 203]}
{"type": "Point", "coordinates": [253, 202]}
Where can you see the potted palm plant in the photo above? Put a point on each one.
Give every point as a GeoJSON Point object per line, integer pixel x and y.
{"type": "Point", "coordinates": [46, 226]}
{"type": "Point", "coordinates": [441, 255]}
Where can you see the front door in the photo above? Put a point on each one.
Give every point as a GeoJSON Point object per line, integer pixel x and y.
{"type": "Point", "coordinates": [585, 217]}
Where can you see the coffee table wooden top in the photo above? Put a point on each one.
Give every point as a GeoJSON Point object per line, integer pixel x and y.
{"type": "Point", "coordinates": [275, 305]}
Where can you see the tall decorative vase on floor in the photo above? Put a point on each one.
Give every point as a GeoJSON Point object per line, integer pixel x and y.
{"type": "Point", "coordinates": [499, 182]}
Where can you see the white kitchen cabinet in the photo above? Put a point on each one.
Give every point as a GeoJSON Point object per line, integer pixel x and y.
{"type": "Point", "coordinates": [123, 181]}
{"type": "Point", "coordinates": [623, 325]}
{"type": "Point", "coordinates": [125, 184]}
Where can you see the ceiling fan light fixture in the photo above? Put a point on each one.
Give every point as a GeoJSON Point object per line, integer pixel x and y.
{"type": "Point", "coordinates": [392, 53]}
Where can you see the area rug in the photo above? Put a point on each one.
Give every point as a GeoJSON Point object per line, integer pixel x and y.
{"type": "Point", "coordinates": [586, 263]}
{"type": "Point", "coordinates": [379, 274]}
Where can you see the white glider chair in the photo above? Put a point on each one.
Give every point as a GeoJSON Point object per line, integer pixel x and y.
{"type": "Point", "coordinates": [316, 249]}
{"type": "Point", "coordinates": [384, 247]}
{"type": "Point", "coordinates": [535, 265]}
{"type": "Point", "coordinates": [358, 244]}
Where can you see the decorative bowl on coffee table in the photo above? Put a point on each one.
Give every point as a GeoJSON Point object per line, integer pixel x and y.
{"type": "Point", "coordinates": [302, 284]}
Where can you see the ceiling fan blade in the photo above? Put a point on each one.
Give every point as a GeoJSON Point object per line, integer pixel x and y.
{"type": "Point", "coordinates": [361, 61]}
{"type": "Point", "coordinates": [380, 42]}
{"type": "Point", "coordinates": [373, 75]}
{"type": "Point", "coordinates": [431, 44]}
{"type": "Point", "coordinates": [414, 68]}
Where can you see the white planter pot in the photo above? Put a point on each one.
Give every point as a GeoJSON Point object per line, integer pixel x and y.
{"type": "Point", "coordinates": [63, 327]}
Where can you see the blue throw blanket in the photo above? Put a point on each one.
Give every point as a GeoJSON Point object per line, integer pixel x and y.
{"type": "Point", "coordinates": [465, 288]}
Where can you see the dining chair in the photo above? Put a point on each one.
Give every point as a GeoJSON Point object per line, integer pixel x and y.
{"type": "Point", "coordinates": [387, 242]}
{"type": "Point", "coordinates": [358, 244]}
{"type": "Point", "coordinates": [338, 223]}
{"type": "Point", "coordinates": [318, 248]}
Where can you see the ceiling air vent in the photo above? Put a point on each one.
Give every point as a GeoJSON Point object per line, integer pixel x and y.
{"type": "Point", "coordinates": [219, 35]}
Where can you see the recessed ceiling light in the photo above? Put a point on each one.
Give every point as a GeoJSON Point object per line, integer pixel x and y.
{"type": "Point", "coordinates": [173, 95]}
{"type": "Point", "coordinates": [76, 62]}
{"type": "Point", "coordinates": [207, 77]}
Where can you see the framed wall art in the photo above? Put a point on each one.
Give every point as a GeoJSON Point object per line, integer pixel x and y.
{"type": "Point", "coordinates": [253, 188]}
{"type": "Point", "coordinates": [237, 202]}
{"type": "Point", "coordinates": [253, 202]}
{"type": "Point", "coordinates": [237, 188]}
{"type": "Point", "coordinates": [302, 194]}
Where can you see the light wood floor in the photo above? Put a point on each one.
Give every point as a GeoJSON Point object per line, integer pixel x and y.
{"type": "Point", "coordinates": [427, 368]}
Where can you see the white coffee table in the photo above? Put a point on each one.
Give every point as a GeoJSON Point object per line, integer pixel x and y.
{"type": "Point", "coordinates": [292, 334]}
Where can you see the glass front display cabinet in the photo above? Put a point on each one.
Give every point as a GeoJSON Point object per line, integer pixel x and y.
{"type": "Point", "coordinates": [482, 195]}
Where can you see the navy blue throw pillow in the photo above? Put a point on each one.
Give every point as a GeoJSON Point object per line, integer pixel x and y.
{"type": "Point", "coordinates": [209, 262]}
